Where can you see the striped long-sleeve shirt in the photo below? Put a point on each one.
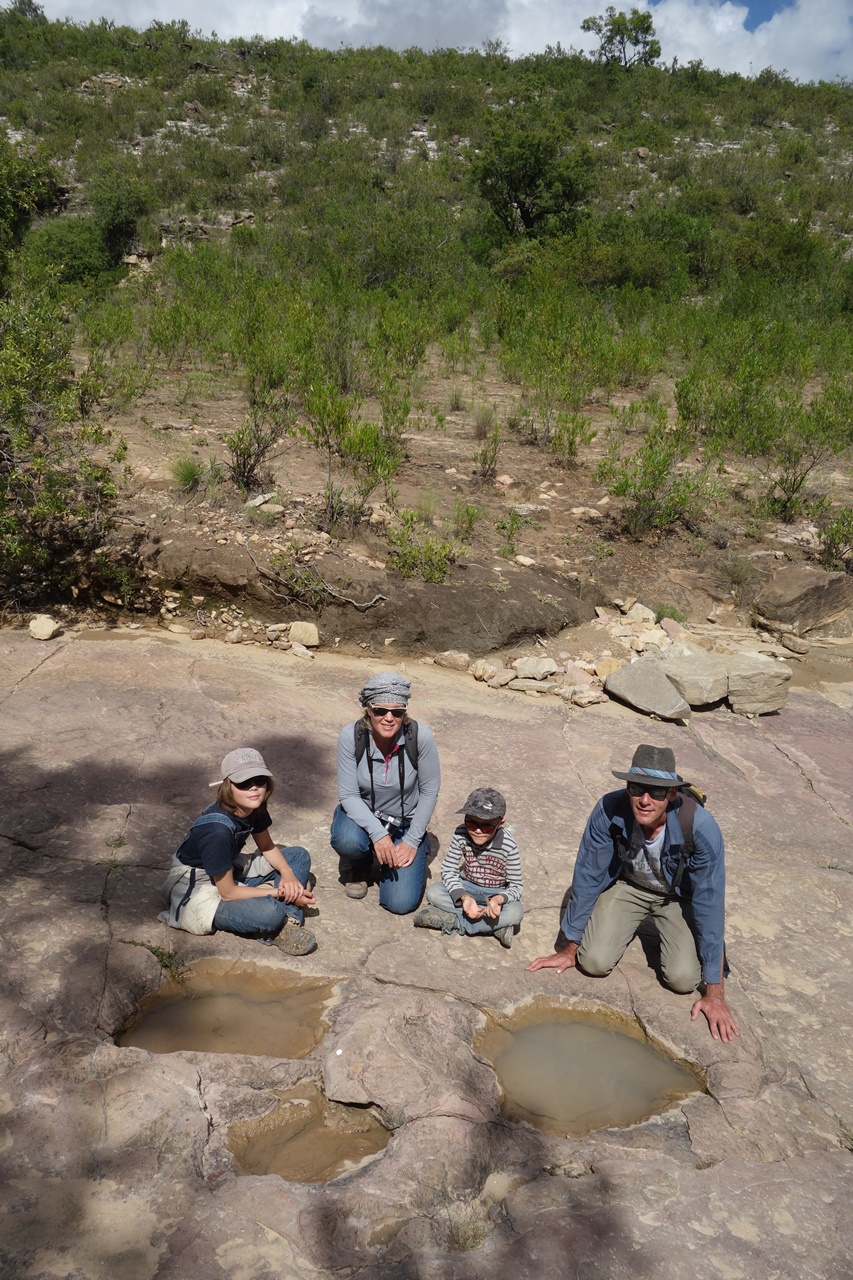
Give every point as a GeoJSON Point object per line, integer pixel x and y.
{"type": "Point", "coordinates": [496, 865]}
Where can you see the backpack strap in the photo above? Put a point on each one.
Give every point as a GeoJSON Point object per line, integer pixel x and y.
{"type": "Point", "coordinates": [686, 814]}
{"type": "Point", "coordinates": [616, 805]}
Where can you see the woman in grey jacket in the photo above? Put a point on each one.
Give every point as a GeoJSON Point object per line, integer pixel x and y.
{"type": "Point", "coordinates": [388, 781]}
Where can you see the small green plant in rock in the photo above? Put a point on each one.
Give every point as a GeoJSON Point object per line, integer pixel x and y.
{"type": "Point", "coordinates": [171, 962]}
{"type": "Point", "coordinates": [672, 611]}
{"type": "Point", "coordinates": [510, 526]}
{"type": "Point", "coordinates": [115, 842]}
{"type": "Point", "coordinates": [487, 457]}
{"type": "Point", "coordinates": [415, 554]}
{"type": "Point", "coordinates": [836, 540]}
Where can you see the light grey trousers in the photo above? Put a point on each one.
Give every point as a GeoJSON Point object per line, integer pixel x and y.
{"type": "Point", "coordinates": [617, 916]}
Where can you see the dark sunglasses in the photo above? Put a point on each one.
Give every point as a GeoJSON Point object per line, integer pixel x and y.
{"type": "Point", "coordinates": [249, 783]}
{"type": "Point", "coordinates": [476, 824]}
{"type": "Point", "coordinates": [396, 712]}
{"type": "Point", "coordinates": [638, 789]}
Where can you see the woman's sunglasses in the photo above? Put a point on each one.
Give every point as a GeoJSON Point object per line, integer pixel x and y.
{"type": "Point", "coordinates": [249, 783]}
{"type": "Point", "coordinates": [638, 789]}
{"type": "Point", "coordinates": [396, 712]}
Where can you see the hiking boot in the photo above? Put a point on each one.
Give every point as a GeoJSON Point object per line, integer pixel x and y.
{"type": "Point", "coordinates": [435, 918]}
{"type": "Point", "coordinates": [354, 880]}
{"type": "Point", "coordinates": [504, 935]}
{"type": "Point", "coordinates": [294, 939]}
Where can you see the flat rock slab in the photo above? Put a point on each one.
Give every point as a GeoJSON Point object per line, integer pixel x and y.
{"type": "Point", "coordinates": [115, 1161]}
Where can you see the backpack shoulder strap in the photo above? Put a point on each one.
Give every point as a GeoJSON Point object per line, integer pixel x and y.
{"type": "Point", "coordinates": [615, 804]}
{"type": "Point", "coordinates": [411, 739]}
{"type": "Point", "coordinates": [359, 734]}
{"type": "Point", "coordinates": [686, 814]}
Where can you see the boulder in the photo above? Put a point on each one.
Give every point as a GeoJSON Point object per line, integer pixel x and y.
{"type": "Point", "coordinates": [534, 668]}
{"type": "Point", "coordinates": [454, 659]}
{"type": "Point", "coordinates": [482, 669]}
{"type": "Point", "coordinates": [305, 633]}
{"type": "Point", "coordinates": [806, 597]}
{"type": "Point", "coordinates": [640, 613]}
{"type": "Point", "coordinates": [644, 686]}
{"type": "Point", "coordinates": [501, 678]}
{"type": "Point", "coordinates": [757, 684]}
{"type": "Point", "coordinates": [794, 644]}
{"type": "Point", "coordinates": [300, 650]}
{"type": "Point", "coordinates": [671, 627]}
{"type": "Point", "coordinates": [603, 668]}
{"type": "Point", "coordinates": [43, 627]}
{"type": "Point", "coordinates": [700, 678]}
{"type": "Point", "coordinates": [577, 675]}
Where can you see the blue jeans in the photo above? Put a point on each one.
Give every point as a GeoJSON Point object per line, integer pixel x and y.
{"type": "Point", "coordinates": [400, 888]}
{"type": "Point", "coordinates": [264, 917]}
{"type": "Point", "coordinates": [511, 912]}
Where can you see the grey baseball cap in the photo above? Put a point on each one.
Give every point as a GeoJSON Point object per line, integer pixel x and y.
{"type": "Point", "coordinates": [241, 764]}
{"type": "Point", "coordinates": [485, 803]}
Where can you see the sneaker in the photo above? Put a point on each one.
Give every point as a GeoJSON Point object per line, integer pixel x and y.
{"type": "Point", "coordinates": [504, 935]}
{"type": "Point", "coordinates": [435, 918]}
{"type": "Point", "coordinates": [295, 939]}
{"type": "Point", "coordinates": [354, 880]}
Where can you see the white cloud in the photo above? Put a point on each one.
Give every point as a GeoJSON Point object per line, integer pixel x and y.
{"type": "Point", "coordinates": [811, 39]}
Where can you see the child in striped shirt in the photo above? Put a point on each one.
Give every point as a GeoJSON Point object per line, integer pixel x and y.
{"type": "Point", "coordinates": [480, 887]}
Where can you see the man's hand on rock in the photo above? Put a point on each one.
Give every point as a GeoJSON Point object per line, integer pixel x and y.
{"type": "Point", "coordinates": [720, 1021]}
{"type": "Point", "coordinates": [560, 960]}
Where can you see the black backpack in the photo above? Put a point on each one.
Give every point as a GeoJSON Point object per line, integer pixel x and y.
{"type": "Point", "coordinates": [691, 796]}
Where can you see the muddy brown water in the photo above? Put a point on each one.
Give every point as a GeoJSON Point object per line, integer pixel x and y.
{"type": "Point", "coordinates": [307, 1138]}
{"type": "Point", "coordinates": [233, 1008]}
{"type": "Point", "coordinates": [572, 1072]}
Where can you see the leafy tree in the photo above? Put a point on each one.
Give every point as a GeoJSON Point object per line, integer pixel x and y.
{"type": "Point", "coordinates": [26, 185]}
{"type": "Point", "coordinates": [625, 40]}
{"type": "Point", "coordinates": [526, 172]}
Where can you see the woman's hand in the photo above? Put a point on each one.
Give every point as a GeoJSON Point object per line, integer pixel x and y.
{"type": "Point", "coordinates": [471, 908]}
{"type": "Point", "coordinates": [386, 854]}
{"type": "Point", "coordinates": [404, 855]}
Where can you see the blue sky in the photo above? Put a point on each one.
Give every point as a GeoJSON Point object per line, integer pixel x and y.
{"type": "Point", "coordinates": [810, 39]}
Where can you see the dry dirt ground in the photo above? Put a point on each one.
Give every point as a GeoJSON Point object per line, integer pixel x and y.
{"type": "Point", "coordinates": [214, 548]}
{"type": "Point", "coordinates": [115, 1161]}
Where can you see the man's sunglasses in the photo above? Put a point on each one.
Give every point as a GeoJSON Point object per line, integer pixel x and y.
{"type": "Point", "coordinates": [396, 712]}
{"type": "Point", "coordinates": [477, 824]}
{"type": "Point", "coordinates": [638, 789]}
{"type": "Point", "coordinates": [249, 783]}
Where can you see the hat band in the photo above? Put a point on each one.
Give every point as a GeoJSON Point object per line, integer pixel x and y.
{"type": "Point", "coordinates": [653, 773]}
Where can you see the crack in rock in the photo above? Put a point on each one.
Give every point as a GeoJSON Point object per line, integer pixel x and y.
{"type": "Point", "coordinates": [824, 799]}
{"type": "Point", "coordinates": [20, 683]}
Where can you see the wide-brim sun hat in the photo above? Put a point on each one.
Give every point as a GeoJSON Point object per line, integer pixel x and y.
{"type": "Point", "coordinates": [240, 765]}
{"type": "Point", "coordinates": [653, 765]}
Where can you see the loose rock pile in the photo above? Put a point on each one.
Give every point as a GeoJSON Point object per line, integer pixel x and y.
{"type": "Point", "coordinates": [662, 670]}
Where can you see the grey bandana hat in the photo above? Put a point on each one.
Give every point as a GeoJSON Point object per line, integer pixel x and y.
{"type": "Point", "coordinates": [388, 686]}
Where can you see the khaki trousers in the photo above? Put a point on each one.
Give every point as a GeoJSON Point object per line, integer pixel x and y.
{"type": "Point", "coordinates": [617, 916]}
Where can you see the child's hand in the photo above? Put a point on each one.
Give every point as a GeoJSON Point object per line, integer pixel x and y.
{"type": "Point", "coordinates": [471, 908]}
{"type": "Point", "coordinates": [493, 909]}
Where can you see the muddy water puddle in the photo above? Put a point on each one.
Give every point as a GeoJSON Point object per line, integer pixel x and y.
{"type": "Point", "coordinates": [569, 1072]}
{"type": "Point", "coordinates": [307, 1138]}
{"type": "Point", "coordinates": [239, 1008]}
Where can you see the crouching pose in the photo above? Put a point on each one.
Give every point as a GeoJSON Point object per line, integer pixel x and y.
{"type": "Point", "coordinates": [213, 885]}
{"type": "Point", "coordinates": [480, 887]}
{"type": "Point", "coordinates": [649, 853]}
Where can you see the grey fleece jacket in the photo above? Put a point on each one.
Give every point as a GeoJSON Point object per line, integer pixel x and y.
{"type": "Point", "coordinates": [420, 786]}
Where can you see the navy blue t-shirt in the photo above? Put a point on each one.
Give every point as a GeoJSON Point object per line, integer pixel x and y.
{"type": "Point", "coordinates": [213, 847]}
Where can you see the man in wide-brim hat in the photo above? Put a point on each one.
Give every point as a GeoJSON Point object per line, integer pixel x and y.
{"type": "Point", "coordinates": [634, 864]}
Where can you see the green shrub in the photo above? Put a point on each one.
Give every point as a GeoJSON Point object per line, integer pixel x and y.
{"type": "Point", "coordinates": [415, 554]}
{"type": "Point", "coordinates": [836, 540]}
{"type": "Point", "coordinates": [571, 431]}
{"type": "Point", "coordinates": [72, 249]}
{"type": "Point", "coordinates": [658, 494]}
{"type": "Point", "coordinates": [465, 516]}
{"type": "Point", "coordinates": [487, 457]}
{"type": "Point", "coordinates": [510, 526]}
{"type": "Point", "coordinates": [250, 450]}
{"type": "Point", "coordinates": [484, 420]}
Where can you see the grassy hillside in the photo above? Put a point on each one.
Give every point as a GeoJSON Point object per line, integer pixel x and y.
{"type": "Point", "coordinates": [317, 225]}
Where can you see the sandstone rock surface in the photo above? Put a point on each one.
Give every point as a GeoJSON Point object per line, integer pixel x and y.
{"type": "Point", "coordinates": [757, 684]}
{"type": "Point", "coordinates": [114, 1161]}
{"type": "Point", "coordinates": [700, 678]}
{"type": "Point", "coordinates": [806, 597]}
